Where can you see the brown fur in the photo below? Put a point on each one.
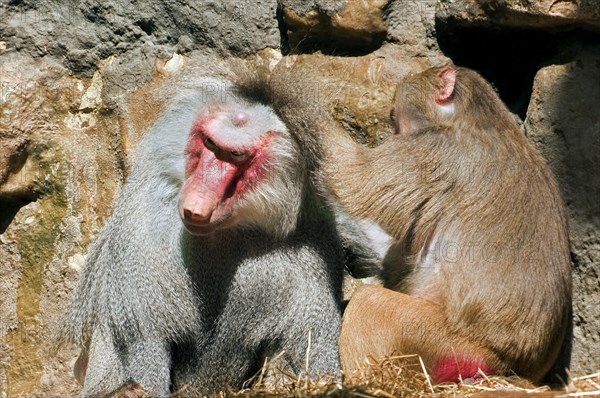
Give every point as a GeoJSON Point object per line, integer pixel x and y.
{"type": "Point", "coordinates": [472, 184]}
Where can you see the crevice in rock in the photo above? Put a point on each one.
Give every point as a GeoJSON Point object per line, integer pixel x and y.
{"type": "Point", "coordinates": [146, 25]}
{"type": "Point", "coordinates": [283, 35]}
{"type": "Point", "coordinates": [508, 58]}
{"type": "Point", "coordinates": [308, 42]}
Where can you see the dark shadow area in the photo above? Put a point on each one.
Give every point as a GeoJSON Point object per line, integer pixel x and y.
{"type": "Point", "coordinates": [9, 209]}
{"type": "Point", "coordinates": [283, 36]}
{"type": "Point", "coordinates": [146, 25]}
{"type": "Point", "coordinates": [509, 59]}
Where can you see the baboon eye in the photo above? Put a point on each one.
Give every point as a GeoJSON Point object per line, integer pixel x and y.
{"type": "Point", "coordinates": [238, 156]}
{"type": "Point", "coordinates": [210, 144]}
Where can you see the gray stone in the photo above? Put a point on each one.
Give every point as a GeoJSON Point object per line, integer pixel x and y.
{"type": "Point", "coordinates": [84, 32]}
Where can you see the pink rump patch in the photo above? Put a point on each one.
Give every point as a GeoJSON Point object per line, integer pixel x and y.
{"type": "Point", "coordinates": [453, 369]}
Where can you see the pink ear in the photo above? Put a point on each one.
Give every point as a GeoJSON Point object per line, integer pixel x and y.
{"type": "Point", "coordinates": [448, 76]}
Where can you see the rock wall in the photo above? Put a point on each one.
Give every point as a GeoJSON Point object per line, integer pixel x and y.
{"type": "Point", "coordinates": [75, 86]}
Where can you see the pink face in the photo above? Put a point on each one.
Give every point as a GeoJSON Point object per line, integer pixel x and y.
{"type": "Point", "coordinates": [225, 160]}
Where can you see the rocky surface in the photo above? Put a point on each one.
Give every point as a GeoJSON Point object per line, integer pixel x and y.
{"type": "Point", "coordinates": [77, 80]}
{"type": "Point", "coordinates": [333, 26]}
{"type": "Point", "coordinates": [562, 124]}
{"type": "Point", "coordinates": [81, 33]}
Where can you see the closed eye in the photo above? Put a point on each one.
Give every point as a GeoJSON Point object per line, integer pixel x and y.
{"type": "Point", "coordinates": [238, 156]}
{"type": "Point", "coordinates": [210, 144]}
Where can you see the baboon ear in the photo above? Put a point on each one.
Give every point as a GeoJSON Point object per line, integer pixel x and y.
{"type": "Point", "coordinates": [448, 77]}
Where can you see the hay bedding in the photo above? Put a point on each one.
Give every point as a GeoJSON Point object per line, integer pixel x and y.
{"type": "Point", "coordinates": [402, 377]}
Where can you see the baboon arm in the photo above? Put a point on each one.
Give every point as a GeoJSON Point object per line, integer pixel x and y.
{"type": "Point", "coordinates": [104, 372]}
{"type": "Point", "coordinates": [144, 362]}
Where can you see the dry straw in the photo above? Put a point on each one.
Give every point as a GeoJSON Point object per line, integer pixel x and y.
{"type": "Point", "coordinates": [399, 377]}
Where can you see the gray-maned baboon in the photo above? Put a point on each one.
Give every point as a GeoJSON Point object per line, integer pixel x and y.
{"type": "Point", "coordinates": [221, 251]}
